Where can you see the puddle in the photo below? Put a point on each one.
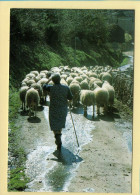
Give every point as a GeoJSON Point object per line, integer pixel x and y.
{"type": "Point", "coordinates": [52, 171]}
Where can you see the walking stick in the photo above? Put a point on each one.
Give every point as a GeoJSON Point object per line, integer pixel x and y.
{"type": "Point", "coordinates": [74, 128]}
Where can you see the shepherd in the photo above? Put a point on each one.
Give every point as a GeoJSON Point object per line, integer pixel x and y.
{"type": "Point", "coordinates": [60, 95]}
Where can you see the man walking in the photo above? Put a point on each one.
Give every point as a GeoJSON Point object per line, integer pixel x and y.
{"type": "Point", "coordinates": [59, 96]}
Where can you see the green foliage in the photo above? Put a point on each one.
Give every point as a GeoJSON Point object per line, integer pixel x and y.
{"type": "Point", "coordinates": [18, 180]}
{"type": "Point", "coordinates": [128, 38]}
{"type": "Point", "coordinates": [116, 33]}
{"type": "Point", "coordinates": [54, 59]}
{"type": "Point", "coordinates": [79, 58]}
{"type": "Point", "coordinates": [14, 103]}
{"type": "Point", "coordinates": [44, 38]}
{"type": "Point", "coordinates": [125, 61]}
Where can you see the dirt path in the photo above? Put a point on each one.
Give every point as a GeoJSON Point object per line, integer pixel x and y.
{"type": "Point", "coordinates": [107, 162]}
{"type": "Point", "coordinates": [103, 164]}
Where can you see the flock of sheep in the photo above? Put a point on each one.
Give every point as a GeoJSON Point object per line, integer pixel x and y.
{"type": "Point", "coordinates": [90, 86]}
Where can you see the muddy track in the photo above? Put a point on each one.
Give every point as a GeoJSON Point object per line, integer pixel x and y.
{"type": "Point", "coordinates": [103, 163]}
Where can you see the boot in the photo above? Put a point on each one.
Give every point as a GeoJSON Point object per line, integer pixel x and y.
{"type": "Point", "coordinates": [58, 141]}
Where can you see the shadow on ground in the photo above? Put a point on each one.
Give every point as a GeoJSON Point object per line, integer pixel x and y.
{"type": "Point", "coordinates": [34, 120]}
{"type": "Point", "coordinates": [66, 157]}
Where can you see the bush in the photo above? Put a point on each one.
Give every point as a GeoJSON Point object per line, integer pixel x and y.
{"type": "Point", "coordinates": [128, 38]}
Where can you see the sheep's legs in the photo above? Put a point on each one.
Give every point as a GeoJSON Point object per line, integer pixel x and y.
{"type": "Point", "coordinates": [93, 111]}
{"type": "Point", "coordinates": [24, 106]}
{"type": "Point", "coordinates": [29, 112]}
{"type": "Point", "coordinates": [105, 109]}
{"type": "Point", "coordinates": [85, 110]}
{"type": "Point", "coordinates": [98, 109]}
{"type": "Point", "coordinates": [35, 109]}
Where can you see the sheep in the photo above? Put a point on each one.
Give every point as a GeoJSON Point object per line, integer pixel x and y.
{"type": "Point", "coordinates": [84, 68]}
{"type": "Point", "coordinates": [36, 73]}
{"type": "Point", "coordinates": [75, 89]}
{"type": "Point", "coordinates": [87, 98]}
{"type": "Point", "coordinates": [55, 70]}
{"type": "Point", "coordinates": [64, 76]}
{"type": "Point", "coordinates": [37, 78]}
{"type": "Point", "coordinates": [48, 74]}
{"type": "Point", "coordinates": [23, 84]}
{"type": "Point", "coordinates": [69, 80]}
{"type": "Point", "coordinates": [101, 74]}
{"type": "Point", "coordinates": [92, 74]}
{"type": "Point", "coordinates": [42, 81]}
{"type": "Point", "coordinates": [64, 82]}
{"type": "Point", "coordinates": [45, 94]}
{"type": "Point", "coordinates": [66, 69]}
{"type": "Point", "coordinates": [38, 87]}
{"type": "Point", "coordinates": [44, 71]}
{"type": "Point", "coordinates": [107, 77]}
{"type": "Point", "coordinates": [42, 75]}
{"type": "Point", "coordinates": [94, 82]}
{"type": "Point", "coordinates": [73, 74]}
{"type": "Point", "coordinates": [30, 75]}
{"type": "Point", "coordinates": [111, 92]}
{"type": "Point", "coordinates": [22, 93]}
{"type": "Point", "coordinates": [25, 80]}
{"type": "Point", "coordinates": [84, 84]}
{"type": "Point", "coordinates": [84, 76]}
{"type": "Point", "coordinates": [79, 79]}
{"type": "Point", "coordinates": [75, 69]}
{"type": "Point", "coordinates": [30, 82]}
{"type": "Point", "coordinates": [32, 100]}
{"type": "Point", "coordinates": [101, 98]}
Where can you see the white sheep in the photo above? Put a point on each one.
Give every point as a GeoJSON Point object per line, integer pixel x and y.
{"type": "Point", "coordinates": [30, 75]}
{"type": "Point", "coordinates": [23, 84]}
{"type": "Point", "coordinates": [25, 80]}
{"type": "Point", "coordinates": [42, 75]}
{"type": "Point", "coordinates": [37, 78]}
{"type": "Point", "coordinates": [75, 90]}
{"type": "Point", "coordinates": [55, 69]}
{"type": "Point", "coordinates": [38, 87]}
{"type": "Point", "coordinates": [42, 81]}
{"type": "Point", "coordinates": [44, 71]}
{"type": "Point", "coordinates": [93, 83]}
{"type": "Point", "coordinates": [30, 82]}
{"type": "Point", "coordinates": [22, 93]}
{"type": "Point", "coordinates": [63, 82]}
{"type": "Point", "coordinates": [79, 79]}
{"type": "Point", "coordinates": [69, 80]}
{"type": "Point", "coordinates": [64, 76]}
{"type": "Point", "coordinates": [87, 98]}
{"type": "Point", "coordinates": [35, 72]}
{"type": "Point", "coordinates": [111, 92]}
{"type": "Point", "coordinates": [101, 98]}
{"type": "Point", "coordinates": [73, 74]}
{"type": "Point", "coordinates": [32, 100]}
{"type": "Point", "coordinates": [84, 76]}
{"type": "Point", "coordinates": [106, 77]}
{"type": "Point", "coordinates": [92, 74]}
{"type": "Point", "coordinates": [84, 84]}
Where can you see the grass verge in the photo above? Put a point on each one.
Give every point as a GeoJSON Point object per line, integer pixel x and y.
{"type": "Point", "coordinates": [17, 179]}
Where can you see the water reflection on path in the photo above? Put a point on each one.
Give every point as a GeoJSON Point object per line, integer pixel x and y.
{"type": "Point", "coordinates": [51, 170]}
